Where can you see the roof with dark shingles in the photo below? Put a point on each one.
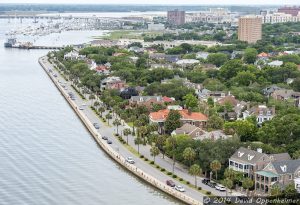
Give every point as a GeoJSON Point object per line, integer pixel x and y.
{"type": "Point", "coordinates": [291, 166]}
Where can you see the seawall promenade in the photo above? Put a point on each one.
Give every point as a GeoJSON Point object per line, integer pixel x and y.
{"type": "Point", "coordinates": [43, 61]}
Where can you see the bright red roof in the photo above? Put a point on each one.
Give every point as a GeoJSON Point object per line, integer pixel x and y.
{"type": "Point", "coordinates": [167, 99]}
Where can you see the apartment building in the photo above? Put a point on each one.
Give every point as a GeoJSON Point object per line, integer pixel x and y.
{"type": "Point", "coordinates": [250, 29]}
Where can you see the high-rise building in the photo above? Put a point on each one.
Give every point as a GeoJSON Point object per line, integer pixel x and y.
{"type": "Point", "coordinates": [250, 29]}
{"type": "Point", "coordinates": [176, 17]}
{"type": "Point", "coordinates": [293, 10]}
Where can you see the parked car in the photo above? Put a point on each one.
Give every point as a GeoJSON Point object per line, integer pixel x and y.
{"type": "Point", "coordinates": [109, 141]}
{"type": "Point", "coordinates": [220, 187]}
{"type": "Point", "coordinates": [212, 184]}
{"type": "Point", "coordinates": [205, 181]}
{"type": "Point", "coordinates": [81, 108]}
{"type": "Point", "coordinates": [96, 125]}
{"type": "Point", "coordinates": [104, 137]}
{"type": "Point", "coordinates": [130, 160]}
{"type": "Point", "coordinates": [179, 188]}
{"type": "Point", "coordinates": [170, 183]}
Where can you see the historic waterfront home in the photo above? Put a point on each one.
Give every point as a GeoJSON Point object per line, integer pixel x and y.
{"type": "Point", "coordinates": [279, 173]}
{"type": "Point", "coordinates": [262, 113]}
{"type": "Point", "coordinates": [197, 133]}
{"type": "Point", "coordinates": [148, 101]}
{"type": "Point", "coordinates": [194, 118]}
{"type": "Point", "coordinates": [112, 83]}
{"type": "Point", "coordinates": [249, 161]}
{"type": "Point", "coordinates": [74, 55]}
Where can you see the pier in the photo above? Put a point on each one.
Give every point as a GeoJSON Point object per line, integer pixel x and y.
{"type": "Point", "coordinates": [38, 47]}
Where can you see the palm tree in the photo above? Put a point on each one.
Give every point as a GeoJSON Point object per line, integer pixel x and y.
{"type": "Point", "coordinates": [228, 183]}
{"type": "Point", "coordinates": [101, 110]}
{"type": "Point", "coordinates": [189, 155]}
{"type": "Point", "coordinates": [160, 143]}
{"type": "Point", "coordinates": [171, 144]}
{"type": "Point", "coordinates": [138, 140]}
{"type": "Point", "coordinates": [116, 123]}
{"type": "Point", "coordinates": [92, 97]}
{"type": "Point", "coordinates": [195, 170]}
{"type": "Point", "coordinates": [154, 152]}
{"type": "Point", "coordinates": [142, 131]}
{"type": "Point", "coordinates": [108, 117]}
{"type": "Point", "coordinates": [247, 184]}
{"type": "Point", "coordinates": [215, 166]}
{"type": "Point", "coordinates": [96, 104]}
{"type": "Point", "coordinates": [126, 132]}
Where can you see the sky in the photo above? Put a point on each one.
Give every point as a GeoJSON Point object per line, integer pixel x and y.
{"type": "Point", "coordinates": [181, 2]}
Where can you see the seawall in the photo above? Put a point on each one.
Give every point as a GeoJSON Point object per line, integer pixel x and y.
{"type": "Point", "coordinates": [113, 154]}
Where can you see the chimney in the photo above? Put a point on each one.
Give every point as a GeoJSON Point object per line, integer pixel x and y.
{"type": "Point", "coordinates": [259, 150]}
{"type": "Point", "coordinates": [249, 147]}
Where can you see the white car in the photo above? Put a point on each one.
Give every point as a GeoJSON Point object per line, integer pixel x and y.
{"type": "Point", "coordinates": [220, 187]}
{"type": "Point", "coordinates": [179, 188]}
{"type": "Point", "coordinates": [81, 108]}
{"type": "Point", "coordinates": [130, 160]}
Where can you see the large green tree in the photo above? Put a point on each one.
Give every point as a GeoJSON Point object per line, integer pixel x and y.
{"type": "Point", "coordinates": [172, 121]}
{"type": "Point", "coordinates": [250, 55]}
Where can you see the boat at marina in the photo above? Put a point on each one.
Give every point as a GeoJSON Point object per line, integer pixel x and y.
{"type": "Point", "coordinates": [10, 42]}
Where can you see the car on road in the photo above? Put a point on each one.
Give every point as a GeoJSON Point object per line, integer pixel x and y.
{"type": "Point", "coordinates": [109, 141]}
{"type": "Point", "coordinates": [220, 187]}
{"type": "Point", "coordinates": [212, 184]}
{"type": "Point", "coordinates": [104, 137]}
{"type": "Point", "coordinates": [205, 181]}
{"type": "Point", "coordinates": [96, 125]}
{"type": "Point", "coordinates": [170, 183]}
{"type": "Point", "coordinates": [179, 188]}
{"type": "Point", "coordinates": [130, 160]}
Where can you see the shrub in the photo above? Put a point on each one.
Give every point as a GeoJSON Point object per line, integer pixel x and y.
{"type": "Point", "coordinates": [180, 179]}
{"type": "Point", "coordinates": [117, 134]}
{"type": "Point", "coordinates": [169, 173]}
{"type": "Point", "coordinates": [157, 166]}
{"type": "Point", "coordinates": [146, 159]}
{"type": "Point", "coordinates": [187, 182]}
{"type": "Point", "coordinates": [199, 188]}
{"type": "Point", "coordinates": [208, 192]}
{"type": "Point", "coordinates": [142, 156]}
{"type": "Point", "coordinates": [162, 169]}
{"type": "Point", "coordinates": [174, 176]}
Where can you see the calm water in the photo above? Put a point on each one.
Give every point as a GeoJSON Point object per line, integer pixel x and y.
{"type": "Point", "coordinates": [46, 154]}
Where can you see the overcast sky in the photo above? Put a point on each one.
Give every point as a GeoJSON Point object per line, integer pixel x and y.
{"type": "Point", "coordinates": [244, 2]}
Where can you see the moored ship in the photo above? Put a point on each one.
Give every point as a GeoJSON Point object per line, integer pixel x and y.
{"type": "Point", "coordinates": [10, 43]}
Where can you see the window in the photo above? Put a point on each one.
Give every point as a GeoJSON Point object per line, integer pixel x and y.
{"type": "Point", "coordinates": [240, 166]}
{"type": "Point", "coordinates": [290, 176]}
{"type": "Point", "coordinates": [231, 163]}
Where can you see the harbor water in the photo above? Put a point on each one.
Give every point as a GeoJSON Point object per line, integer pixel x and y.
{"type": "Point", "coordinates": [46, 154]}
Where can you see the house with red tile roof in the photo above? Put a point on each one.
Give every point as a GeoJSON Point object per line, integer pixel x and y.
{"type": "Point", "coordinates": [194, 118]}
{"type": "Point", "coordinates": [148, 101]}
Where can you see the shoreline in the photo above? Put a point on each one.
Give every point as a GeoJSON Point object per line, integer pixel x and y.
{"type": "Point", "coordinates": [114, 154]}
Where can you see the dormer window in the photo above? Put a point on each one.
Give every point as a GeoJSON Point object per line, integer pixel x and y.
{"type": "Point", "coordinates": [283, 168]}
{"type": "Point", "coordinates": [250, 157]}
{"type": "Point", "coordinates": [240, 154]}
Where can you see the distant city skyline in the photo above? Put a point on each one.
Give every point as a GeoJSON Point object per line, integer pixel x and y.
{"type": "Point", "coordinates": [176, 2]}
